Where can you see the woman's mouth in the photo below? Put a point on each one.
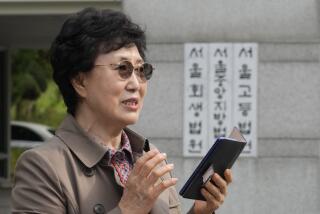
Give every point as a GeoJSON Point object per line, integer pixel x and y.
{"type": "Point", "coordinates": [131, 104]}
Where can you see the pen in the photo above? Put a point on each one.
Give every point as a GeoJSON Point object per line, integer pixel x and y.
{"type": "Point", "coordinates": [146, 146]}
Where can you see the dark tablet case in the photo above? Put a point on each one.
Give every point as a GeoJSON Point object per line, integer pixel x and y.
{"type": "Point", "coordinates": [221, 156]}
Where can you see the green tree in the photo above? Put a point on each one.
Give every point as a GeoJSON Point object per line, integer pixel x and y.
{"type": "Point", "coordinates": [34, 95]}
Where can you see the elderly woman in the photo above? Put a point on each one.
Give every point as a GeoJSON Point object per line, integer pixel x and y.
{"type": "Point", "coordinates": [94, 164]}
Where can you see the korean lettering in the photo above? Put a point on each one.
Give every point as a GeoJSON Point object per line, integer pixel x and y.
{"type": "Point", "coordinates": [245, 64]}
{"type": "Point", "coordinates": [220, 90]}
{"type": "Point", "coordinates": [195, 110]}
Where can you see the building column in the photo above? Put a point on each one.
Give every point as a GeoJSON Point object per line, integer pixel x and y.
{"type": "Point", "coordinates": [4, 117]}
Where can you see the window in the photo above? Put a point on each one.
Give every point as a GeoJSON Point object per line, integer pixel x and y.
{"type": "Point", "coordinates": [52, 131]}
{"type": "Point", "coordinates": [22, 133]}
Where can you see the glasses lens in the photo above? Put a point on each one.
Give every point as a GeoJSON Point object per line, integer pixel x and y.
{"type": "Point", "coordinates": [125, 69]}
{"type": "Point", "coordinates": [140, 72]}
{"type": "Point", "coordinates": [148, 70]}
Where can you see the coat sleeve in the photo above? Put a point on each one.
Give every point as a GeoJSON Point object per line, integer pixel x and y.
{"type": "Point", "coordinates": [36, 186]}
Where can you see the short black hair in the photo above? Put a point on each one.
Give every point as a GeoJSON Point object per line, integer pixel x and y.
{"type": "Point", "coordinates": [82, 38]}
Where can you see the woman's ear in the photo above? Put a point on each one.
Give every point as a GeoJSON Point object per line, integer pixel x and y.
{"type": "Point", "coordinates": [78, 83]}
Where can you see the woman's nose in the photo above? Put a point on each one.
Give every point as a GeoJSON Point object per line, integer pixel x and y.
{"type": "Point", "coordinates": [133, 82]}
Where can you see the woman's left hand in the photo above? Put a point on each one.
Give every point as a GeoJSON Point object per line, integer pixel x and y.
{"type": "Point", "coordinates": [214, 192]}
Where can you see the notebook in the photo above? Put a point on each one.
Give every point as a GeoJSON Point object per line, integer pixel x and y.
{"type": "Point", "coordinates": [221, 156]}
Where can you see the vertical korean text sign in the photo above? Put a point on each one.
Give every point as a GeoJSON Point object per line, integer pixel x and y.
{"type": "Point", "coordinates": [220, 92]}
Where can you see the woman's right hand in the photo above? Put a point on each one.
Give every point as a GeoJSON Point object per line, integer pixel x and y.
{"type": "Point", "coordinates": [142, 190]}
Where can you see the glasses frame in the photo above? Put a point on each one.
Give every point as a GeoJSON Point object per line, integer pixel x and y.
{"type": "Point", "coordinates": [127, 73]}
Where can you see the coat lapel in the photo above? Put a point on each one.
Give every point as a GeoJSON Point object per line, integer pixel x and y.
{"type": "Point", "coordinates": [71, 134]}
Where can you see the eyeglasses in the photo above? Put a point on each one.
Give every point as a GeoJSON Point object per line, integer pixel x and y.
{"type": "Point", "coordinates": [125, 70]}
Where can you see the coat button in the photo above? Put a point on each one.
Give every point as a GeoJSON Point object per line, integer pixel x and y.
{"type": "Point", "coordinates": [88, 171]}
{"type": "Point", "coordinates": [98, 209]}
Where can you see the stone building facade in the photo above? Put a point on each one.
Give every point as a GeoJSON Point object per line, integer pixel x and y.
{"type": "Point", "coordinates": [285, 175]}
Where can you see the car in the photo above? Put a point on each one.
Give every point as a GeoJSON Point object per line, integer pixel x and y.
{"type": "Point", "coordinates": [27, 135]}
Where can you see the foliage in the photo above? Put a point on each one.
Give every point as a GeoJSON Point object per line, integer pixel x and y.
{"type": "Point", "coordinates": [34, 95]}
{"type": "Point", "coordinates": [30, 74]}
{"type": "Point", "coordinates": [50, 106]}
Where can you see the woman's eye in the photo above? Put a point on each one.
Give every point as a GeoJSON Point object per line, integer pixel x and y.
{"type": "Point", "coordinates": [122, 67]}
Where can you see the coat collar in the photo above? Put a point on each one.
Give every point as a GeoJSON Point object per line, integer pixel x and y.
{"type": "Point", "coordinates": [88, 152]}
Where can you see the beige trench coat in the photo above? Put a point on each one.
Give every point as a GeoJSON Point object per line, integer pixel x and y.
{"type": "Point", "coordinates": [68, 175]}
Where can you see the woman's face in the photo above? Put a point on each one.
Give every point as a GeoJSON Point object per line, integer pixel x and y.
{"type": "Point", "coordinates": [108, 96]}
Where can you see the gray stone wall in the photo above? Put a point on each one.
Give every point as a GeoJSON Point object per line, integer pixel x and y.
{"type": "Point", "coordinates": [285, 176]}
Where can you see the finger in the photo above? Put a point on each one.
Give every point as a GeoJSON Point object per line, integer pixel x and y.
{"type": "Point", "coordinates": [157, 173]}
{"type": "Point", "coordinates": [220, 182]}
{"type": "Point", "coordinates": [152, 163]}
{"type": "Point", "coordinates": [143, 159]}
{"type": "Point", "coordinates": [210, 199]}
{"type": "Point", "coordinates": [215, 191]}
{"type": "Point", "coordinates": [158, 189]}
{"type": "Point", "coordinates": [228, 176]}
